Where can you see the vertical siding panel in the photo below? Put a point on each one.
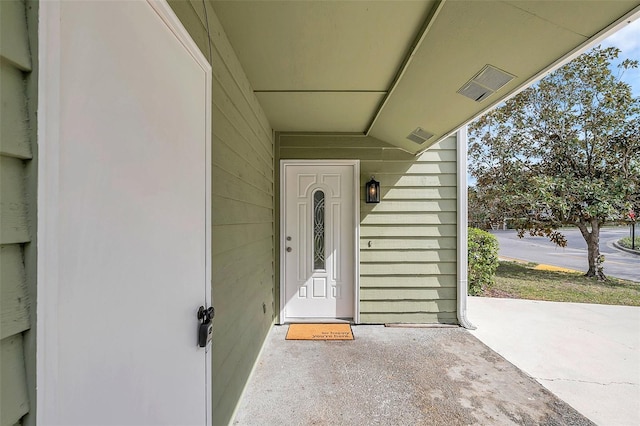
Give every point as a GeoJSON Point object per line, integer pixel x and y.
{"type": "Point", "coordinates": [243, 216]}
{"type": "Point", "coordinates": [408, 241]}
{"type": "Point", "coordinates": [17, 109]}
{"type": "Point", "coordinates": [14, 37]}
{"type": "Point", "coordinates": [14, 226]}
{"type": "Point", "coordinates": [29, 250]}
{"type": "Point", "coordinates": [14, 141]}
{"type": "Point", "coordinates": [14, 306]}
{"type": "Point", "coordinates": [13, 381]}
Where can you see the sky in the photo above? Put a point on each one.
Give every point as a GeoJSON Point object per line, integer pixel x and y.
{"type": "Point", "coordinates": [628, 40]}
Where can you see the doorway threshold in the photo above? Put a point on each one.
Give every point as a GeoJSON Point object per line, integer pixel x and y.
{"type": "Point", "coordinates": [308, 320]}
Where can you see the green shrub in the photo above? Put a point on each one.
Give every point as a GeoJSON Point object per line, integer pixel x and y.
{"type": "Point", "coordinates": [626, 242]}
{"type": "Point", "coordinates": [483, 260]}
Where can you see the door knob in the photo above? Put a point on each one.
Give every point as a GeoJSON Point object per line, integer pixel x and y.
{"type": "Point", "coordinates": [289, 249]}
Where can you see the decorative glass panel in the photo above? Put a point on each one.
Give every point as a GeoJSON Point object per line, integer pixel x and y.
{"type": "Point", "coordinates": [318, 230]}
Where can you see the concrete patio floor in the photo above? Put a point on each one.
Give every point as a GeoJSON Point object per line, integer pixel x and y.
{"type": "Point", "coordinates": [588, 355]}
{"type": "Point", "coordinates": [395, 376]}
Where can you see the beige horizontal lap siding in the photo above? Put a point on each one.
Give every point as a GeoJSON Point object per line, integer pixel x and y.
{"type": "Point", "coordinates": [17, 133]}
{"type": "Point", "coordinates": [242, 213]}
{"type": "Point", "coordinates": [408, 241]}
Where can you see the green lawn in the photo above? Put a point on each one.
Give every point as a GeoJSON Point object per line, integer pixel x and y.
{"type": "Point", "coordinates": [520, 281]}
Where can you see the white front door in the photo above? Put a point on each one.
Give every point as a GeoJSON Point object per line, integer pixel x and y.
{"type": "Point", "coordinates": [319, 231]}
{"type": "Point", "coordinates": [123, 230]}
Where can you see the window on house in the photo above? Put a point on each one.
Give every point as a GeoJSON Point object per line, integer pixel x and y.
{"type": "Point", "coordinates": [318, 230]}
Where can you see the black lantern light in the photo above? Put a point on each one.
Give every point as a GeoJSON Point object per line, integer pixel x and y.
{"type": "Point", "coordinates": [373, 191]}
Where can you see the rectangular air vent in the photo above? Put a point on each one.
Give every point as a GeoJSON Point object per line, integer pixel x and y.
{"type": "Point", "coordinates": [474, 91]}
{"type": "Point", "coordinates": [493, 78]}
{"type": "Point", "coordinates": [488, 81]}
{"type": "Point", "coordinates": [419, 136]}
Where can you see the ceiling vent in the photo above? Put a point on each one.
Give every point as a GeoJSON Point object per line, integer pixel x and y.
{"type": "Point", "coordinates": [488, 81]}
{"type": "Point", "coordinates": [473, 90]}
{"type": "Point", "coordinates": [419, 136]}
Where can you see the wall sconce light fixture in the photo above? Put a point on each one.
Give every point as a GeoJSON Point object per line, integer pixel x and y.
{"type": "Point", "coordinates": [373, 191]}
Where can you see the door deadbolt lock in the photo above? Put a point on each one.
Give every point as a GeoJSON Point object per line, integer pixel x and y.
{"type": "Point", "coordinates": [205, 329]}
{"type": "Point", "coordinates": [288, 238]}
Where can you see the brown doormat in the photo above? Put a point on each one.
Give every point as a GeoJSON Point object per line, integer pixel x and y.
{"type": "Point", "coordinates": [319, 332]}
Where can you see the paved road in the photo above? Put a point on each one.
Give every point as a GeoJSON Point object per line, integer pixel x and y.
{"type": "Point", "coordinates": [618, 263]}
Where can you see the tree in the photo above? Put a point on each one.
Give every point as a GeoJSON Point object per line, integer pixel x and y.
{"type": "Point", "coordinates": [484, 211]}
{"type": "Point", "coordinates": [563, 152]}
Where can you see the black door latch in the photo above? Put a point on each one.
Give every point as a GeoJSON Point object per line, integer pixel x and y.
{"type": "Point", "coordinates": [205, 329]}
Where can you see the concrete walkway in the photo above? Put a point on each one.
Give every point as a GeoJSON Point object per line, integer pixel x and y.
{"type": "Point", "coordinates": [588, 355]}
{"type": "Point", "coordinates": [394, 376]}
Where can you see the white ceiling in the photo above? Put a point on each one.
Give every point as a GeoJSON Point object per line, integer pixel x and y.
{"type": "Point", "coordinates": [383, 68]}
